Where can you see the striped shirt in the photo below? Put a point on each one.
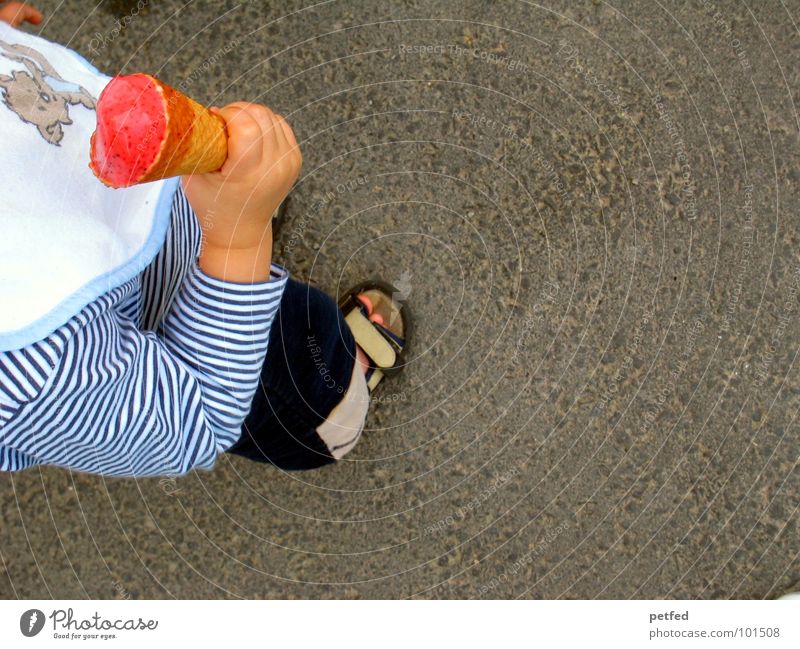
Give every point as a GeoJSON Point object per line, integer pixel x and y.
{"type": "Point", "coordinates": [153, 378]}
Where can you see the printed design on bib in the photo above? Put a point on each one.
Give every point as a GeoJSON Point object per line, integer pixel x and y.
{"type": "Point", "coordinates": [40, 96]}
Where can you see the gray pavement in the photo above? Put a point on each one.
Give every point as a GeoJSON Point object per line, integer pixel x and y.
{"type": "Point", "coordinates": [594, 209]}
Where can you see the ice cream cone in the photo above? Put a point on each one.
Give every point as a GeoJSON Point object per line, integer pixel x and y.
{"type": "Point", "coordinates": [195, 141]}
{"type": "Point", "coordinates": [148, 130]}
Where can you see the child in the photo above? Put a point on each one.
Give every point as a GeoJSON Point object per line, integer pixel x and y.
{"type": "Point", "coordinates": [145, 331]}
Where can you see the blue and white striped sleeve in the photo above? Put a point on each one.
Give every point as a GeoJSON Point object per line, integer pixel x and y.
{"type": "Point", "coordinates": [102, 396]}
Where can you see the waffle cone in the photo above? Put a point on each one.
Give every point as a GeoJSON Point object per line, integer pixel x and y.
{"type": "Point", "coordinates": [195, 140]}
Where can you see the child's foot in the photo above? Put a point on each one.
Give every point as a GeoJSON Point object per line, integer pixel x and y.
{"type": "Point", "coordinates": [380, 326]}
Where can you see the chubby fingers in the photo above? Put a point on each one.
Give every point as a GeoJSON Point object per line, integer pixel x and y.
{"type": "Point", "coordinates": [290, 152]}
{"type": "Point", "coordinates": [287, 132]}
{"type": "Point", "coordinates": [16, 13]}
{"type": "Point", "coordinates": [271, 142]}
{"type": "Point", "coordinates": [245, 125]}
{"type": "Point", "coordinates": [256, 134]}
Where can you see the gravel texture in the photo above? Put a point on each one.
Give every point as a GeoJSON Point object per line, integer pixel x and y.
{"type": "Point", "coordinates": [594, 210]}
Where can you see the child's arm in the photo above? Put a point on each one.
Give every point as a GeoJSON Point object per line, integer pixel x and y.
{"type": "Point", "coordinates": [16, 13]}
{"type": "Point", "coordinates": [101, 396]}
{"type": "Point", "coordinates": [235, 205]}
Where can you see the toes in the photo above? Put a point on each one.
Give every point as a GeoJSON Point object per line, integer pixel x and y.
{"type": "Point", "coordinates": [362, 297]}
{"type": "Point", "coordinates": [382, 310]}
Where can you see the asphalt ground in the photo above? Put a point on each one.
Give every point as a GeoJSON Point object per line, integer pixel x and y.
{"type": "Point", "coordinates": [593, 210]}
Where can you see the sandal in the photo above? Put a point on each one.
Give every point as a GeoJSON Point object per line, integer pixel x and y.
{"type": "Point", "coordinates": [380, 324]}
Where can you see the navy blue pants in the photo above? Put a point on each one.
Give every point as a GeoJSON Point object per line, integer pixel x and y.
{"type": "Point", "coordinates": [308, 368]}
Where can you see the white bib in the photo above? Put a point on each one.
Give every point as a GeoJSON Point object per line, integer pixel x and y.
{"type": "Point", "coordinates": [65, 238]}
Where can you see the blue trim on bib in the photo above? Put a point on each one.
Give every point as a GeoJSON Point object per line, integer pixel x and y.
{"type": "Point", "coordinates": [82, 60]}
{"type": "Point", "coordinates": [102, 284]}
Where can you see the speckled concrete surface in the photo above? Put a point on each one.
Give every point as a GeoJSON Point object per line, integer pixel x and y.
{"type": "Point", "coordinates": [595, 209]}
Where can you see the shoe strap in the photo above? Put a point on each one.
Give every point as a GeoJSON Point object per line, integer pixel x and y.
{"type": "Point", "coordinates": [373, 379]}
{"type": "Point", "coordinates": [380, 352]}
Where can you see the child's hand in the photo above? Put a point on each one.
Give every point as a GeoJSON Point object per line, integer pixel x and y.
{"type": "Point", "coordinates": [235, 205]}
{"type": "Point", "coordinates": [16, 13]}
